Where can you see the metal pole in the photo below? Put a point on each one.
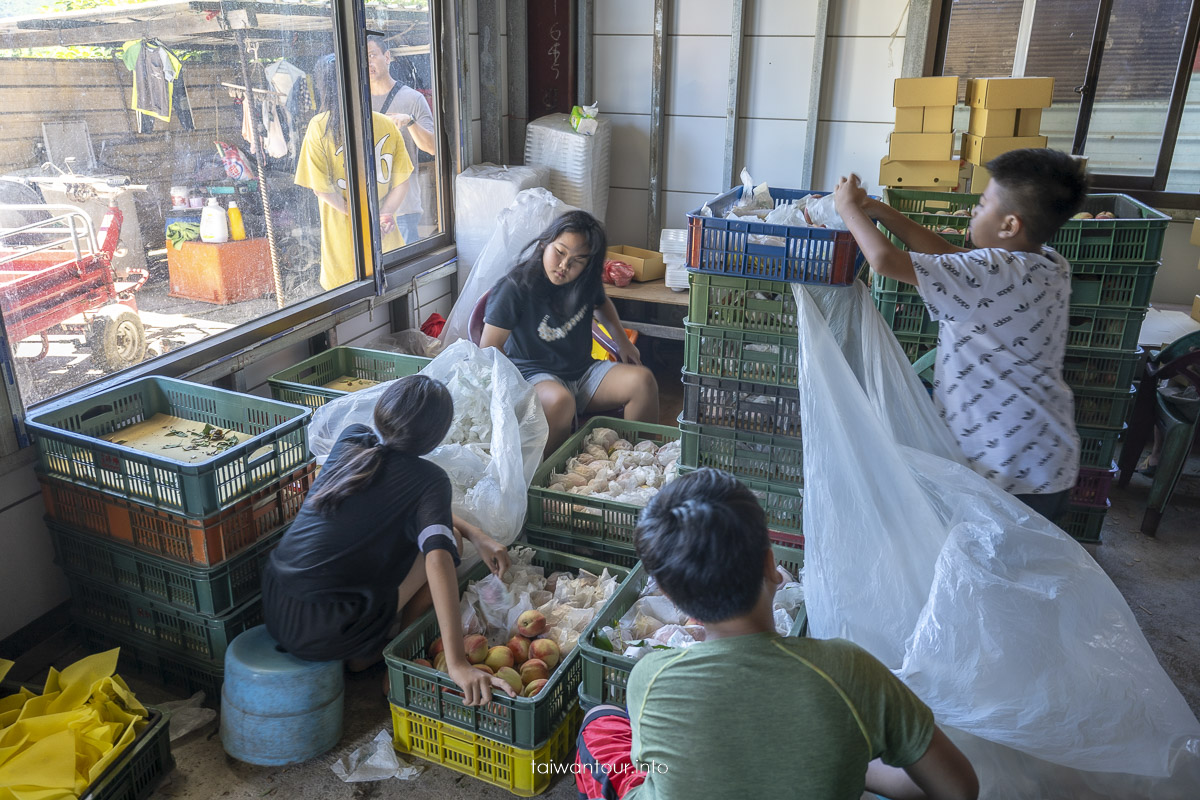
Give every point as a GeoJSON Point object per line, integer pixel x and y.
{"type": "Point", "coordinates": [814, 94]}
{"type": "Point", "coordinates": [1087, 92]}
{"type": "Point", "coordinates": [735, 83]}
{"type": "Point", "coordinates": [586, 61]}
{"type": "Point", "coordinates": [1024, 34]}
{"type": "Point", "coordinates": [658, 97]}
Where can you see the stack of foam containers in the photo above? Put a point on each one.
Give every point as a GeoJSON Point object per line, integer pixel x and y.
{"type": "Point", "coordinates": [672, 243]}
{"type": "Point", "coordinates": [578, 164]}
{"type": "Point", "coordinates": [481, 192]}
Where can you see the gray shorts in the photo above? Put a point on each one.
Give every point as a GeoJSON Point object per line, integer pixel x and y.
{"type": "Point", "coordinates": [583, 388]}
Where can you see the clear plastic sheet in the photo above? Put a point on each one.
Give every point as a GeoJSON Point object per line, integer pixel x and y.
{"type": "Point", "coordinates": [578, 164]}
{"type": "Point", "coordinates": [998, 620]}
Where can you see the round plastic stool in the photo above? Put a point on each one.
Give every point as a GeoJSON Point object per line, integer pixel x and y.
{"type": "Point", "coordinates": [275, 708]}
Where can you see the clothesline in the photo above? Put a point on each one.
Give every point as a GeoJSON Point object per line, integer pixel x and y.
{"type": "Point", "coordinates": [280, 96]}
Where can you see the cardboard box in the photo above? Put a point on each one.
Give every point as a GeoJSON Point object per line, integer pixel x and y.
{"type": "Point", "coordinates": [1010, 92]}
{"type": "Point", "coordinates": [1196, 308]}
{"type": "Point", "coordinates": [910, 120]}
{"type": "Point", "coordinates": [1029, 121]}
{"type": "Point", "coordinates": [935, 175]}
{"type": "Point", "coordinates": [993, 122]}
{"type": "Point", "coordinates": [921, 146]}
{"type": "Point", "coordinates": [938, 119]}
{"type": "Point", "coordinates": [647, 264]}
{"type": "Point", "coordinates": [910, 92]}
{"type": "Point", "coordinates": [1195, 232]}
{"type": "Point", "coordinates": [981, 149]}
{"type": "Point", "coordinates": [974, 178]}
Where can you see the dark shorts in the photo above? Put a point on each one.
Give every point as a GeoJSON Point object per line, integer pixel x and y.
{"type": "Point", "coordinates": [605, 768]}
{"type": "Point", "coordinates": [1051, 506]}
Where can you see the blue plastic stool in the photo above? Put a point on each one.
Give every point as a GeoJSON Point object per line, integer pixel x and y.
{"type": "Point", "coordinates": [275, 708]}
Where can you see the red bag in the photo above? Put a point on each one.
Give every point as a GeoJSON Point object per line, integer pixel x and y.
{"type": "Point", "coordinates": [617, 273]}
{"type": "Point", "coordinates": [433, 326]}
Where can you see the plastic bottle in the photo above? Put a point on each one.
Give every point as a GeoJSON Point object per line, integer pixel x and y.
{"type": "Point", "coordinates": [237, 229]}
{"type": "Point", "coordinates": [214, 225]}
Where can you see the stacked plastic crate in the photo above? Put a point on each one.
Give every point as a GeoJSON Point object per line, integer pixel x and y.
{"type": "Point", "coordinates": [163, 498]}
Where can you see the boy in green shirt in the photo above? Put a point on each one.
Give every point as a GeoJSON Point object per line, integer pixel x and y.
{"type": "Point", "coordinates": [746, 712]}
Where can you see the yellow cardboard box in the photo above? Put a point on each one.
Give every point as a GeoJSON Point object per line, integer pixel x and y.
{"type": "Point", "coordinates": [1010, 92]}
{"type": "Point", "coordinates": [936, 175]}
{"type": "Point", "coordinates": [938, 119]}
{"type": "Point", "coordinates": [1029, 121]}
{"type": "Point", "coordinates": [993, 122]}
{"type": "Point", "coordinates": [982, 149]}
{"type": "Point", "coordinates": [910, 119]}
{"type": "Point", "coordinates": [1195, 232]}
{"type": "Point", "coordinates": [647, 264]}
{"type": "Point", "coordinates": [910, 92]}
{"type": "Point", "coordinates": [921, 146]}
{"type": "Point", "coordinates": [973, 178]}
{"type": "Point", "coordinates": [1196, 308]}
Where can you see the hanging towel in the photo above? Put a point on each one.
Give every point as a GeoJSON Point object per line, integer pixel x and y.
{"type": "Point", "coordinates": [276, 143]}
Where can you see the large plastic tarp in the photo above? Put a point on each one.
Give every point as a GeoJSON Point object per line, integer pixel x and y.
{"type": "Point", "coordinates": [494, 445]}
{"type": "Point", "coordinates": [1004, 625]}
{"type": "Point", "coordinates": [523, 221]}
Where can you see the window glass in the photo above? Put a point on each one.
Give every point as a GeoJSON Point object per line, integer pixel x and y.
{"type": "Point", "coordinates": [1185, 163]}
{"type": "Point", "coordinates": [981, 39]}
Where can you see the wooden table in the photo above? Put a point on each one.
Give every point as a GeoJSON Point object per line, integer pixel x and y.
{"type": "Point", "coordinates": [651, 308]}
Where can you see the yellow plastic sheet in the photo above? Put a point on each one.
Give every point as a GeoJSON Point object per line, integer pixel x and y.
{"type": "Point", "coordinates": [54, 745]}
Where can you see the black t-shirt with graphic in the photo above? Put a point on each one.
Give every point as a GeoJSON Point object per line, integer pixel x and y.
{"type": "Point", "coordinates": [543, 340]}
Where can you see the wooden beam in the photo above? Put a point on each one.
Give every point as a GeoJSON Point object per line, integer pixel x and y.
{"type": "Point", "coordinates": [188, 24]}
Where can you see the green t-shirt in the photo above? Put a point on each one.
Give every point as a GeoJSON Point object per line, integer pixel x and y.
{"type": "Point", "coordinates": [768, 716]}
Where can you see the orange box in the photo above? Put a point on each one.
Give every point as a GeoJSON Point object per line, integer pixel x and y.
{"type": "Point", "coordinates": [221, 273]}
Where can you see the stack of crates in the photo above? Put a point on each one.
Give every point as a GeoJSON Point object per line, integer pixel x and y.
{"type": "Point", "coordinates": [1006, 114]}
{"type": "Point", "coordinates": [921, 145]}
{"type": "Point", "coordinates": [164, 555]}
{"type": "Point", "coordinates": [1113, 264]}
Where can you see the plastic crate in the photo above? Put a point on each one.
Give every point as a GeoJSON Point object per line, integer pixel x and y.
{"type": "Point", "coordinates": [524, 722]}
{"type": "Point", "coordinates": [202, 542]}
{"type": "Point", "coordinates": [1113, 285]}
{"type": "Point", "coordinates": [904, 312]}
{"type": "Point", "coordinates": [606, 674]}
{"type": "Point", "coordinates": [523, 772]}
{"type": "Point", "coordinates": [1093, 486]}
{"type": "Point", "coordinates": [777, 459]}
{"type": "Point", "coordinates": [583, 546]}
{"type": "Point", "coordinates": [194, 636]}
{"type": "Point", "coordinates": [783, 505]}
{"type": "Point", "coordinates": [170, 670]}
{"type": "Point", "coordinates": [1104, 328]}
{"type": "Point", "coordinates": [211, 592]}
{"type": "Point", "coordinates": [69, 444]}
{"type": "Point", "coordinates": [917, 345]}
{"type": "Point", "coordinates": [1100, 369]}
{"type": "Point", "coordinates": [742, 304]}
{"type": "Point", "coordinates": [304, 383]}
{"type": "Point", "coordinates": [606, 522]}
{"type": "Point", "coordinates": [807, 255]}
{"type": "Point", "coordinates": [741, 356]}
{"type": "Point", "coordinates": [136, 771]}
{"type": "Point", "coordinates": [1084, 523]}
{"type": "Point", "coordinates": [1102, 408]}
{"type": "Point", "coordinates": [1097, 446]}
{"type": "Point", "coordinates": [586, 701]}
{"type": "Point", "coordinates": [740, 405]}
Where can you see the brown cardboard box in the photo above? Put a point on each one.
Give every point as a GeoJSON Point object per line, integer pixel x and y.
{"type": "Point", "coordinates": [1195, 239]}
{"type": "Point", "coordinates": [647, 264]}
{"type": "Point", "coordinates": [936, 175]}
{"type": "Point", "coordinates": [980, 149]}
{"type": "Point", "coordinates": [910, 120]}
{"type": "Point", "coordinates": [1029, 121]}
{"type": "Point", "coordinates": [993, 122]}
{"type": "Point", "coordinates": [1010, 92]}
{"type": "Point", "coordinates": [938, 119]}
{"type": "Point", "coordinates": [1196, 308]}
{"type": "Point", "coordinates": [974, 178]}
{"type": "Point", "coordinates": [921, 146]}
{"type": "Point", "coordinates": [909, 92]}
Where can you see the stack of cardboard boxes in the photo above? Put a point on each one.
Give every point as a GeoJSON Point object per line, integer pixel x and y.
{"type": "Point", "coordinates": [1006, 114]}
{"type": "Point", "coordinates": [921, 149]}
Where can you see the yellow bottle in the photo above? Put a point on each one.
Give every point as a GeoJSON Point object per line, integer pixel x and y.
{"type": "Point", "coordinates": [237, 230]}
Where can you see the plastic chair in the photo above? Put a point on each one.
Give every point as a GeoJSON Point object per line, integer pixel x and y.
{"type": "Point", "coordinates": [924, 367]}
{"type": "Point", "coordinates": [1179, 360]}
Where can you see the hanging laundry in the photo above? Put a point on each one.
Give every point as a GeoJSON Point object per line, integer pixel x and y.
{"type": "Point", "coordinates": [276, 143]}
{"type": "Point", "coordinates": [155, 68]}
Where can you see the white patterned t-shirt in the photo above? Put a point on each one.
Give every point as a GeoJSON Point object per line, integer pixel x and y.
{"type": "Point", "coordinates": [1002, 339]}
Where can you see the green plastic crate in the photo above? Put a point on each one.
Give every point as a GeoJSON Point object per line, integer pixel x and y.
{"type": "Point", "coordinates": [274, 443]}
{"type": "Point", "coordinates": [1112, 285]}
{"type": "Point", "coordinates": [1100, 369]}
{"type": "Point", "coordinates": [523, 722]}
{"type": "Point", "coordinates": [606, 674]}
{"type": "Point", "coordinates": [904, 312]}
{"type": "Point", "coordinates": [744, 304]}
{"type": "Point", "coordinates": [583, 546]}
{"type": "Point", "coordinates": [304, 383]}
{"type": "Point", "coordinates": [606, 522]}
{"type": "Point", "coordinates": [776, 459]}
{"type": "Point", "coordinates": [169, 669]}
{"type": "Point", "coordinates": [917, 345]}
{"type": "Point", "coordinates": [1102, 408]}
{"type": "Point", "coordinates": [1084, 523]}
{"type": "Point", "coordinates": [211, 592]}
{"type": "Point", "coordinates": [137, 771]}
{"type": "Point", "coordinates": [740, 355]}
{"type": "Point", "coordinates": [193, 636]}
{"type": "Point", "coordinates": [783, 505]}
{"type": "Point", "coordinates": [1104, 328]}
{"type": "Point", "coordinates": [1097, 446]}
{"type": "Point", "coordinates": [741, 405]}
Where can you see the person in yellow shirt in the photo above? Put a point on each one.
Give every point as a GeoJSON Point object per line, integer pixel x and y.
{"type": "Point", "coordinates": [322, 168]}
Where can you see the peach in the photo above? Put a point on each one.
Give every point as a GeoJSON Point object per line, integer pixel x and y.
{"type": "Point", "coordinates": [533, 687]}
{"type": "Point", "coordinates": [476, 647]}
{"type": "Point", "coordinates": [519, 646]}
{"type": "Point", "coordinates": [439, 663]}
{"type": "Point", "coordinates": [545, 650]}
{"type": "Point", "coordinates": [533, 670]}
{"type": "Point", "coordinates": [531, 623]}
{"type": "Point", "coordinates": [436, 647]}
{"type": "Point", "coordinates": [510, 676]}
{"type": "Point", "coordinates": [483, 668]}
{"type": "Point", "coordinates": [423, 662]}
{"type": "Point", "coordinates": [499, 656]}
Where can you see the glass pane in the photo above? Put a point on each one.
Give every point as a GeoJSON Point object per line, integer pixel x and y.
{"type": "Point", "coordinates": [981, 39]}
{"type": "Point", "coordinates": [1060, 42]}
{"type": "Point", "coordinates": [400, 67]}
{"type": "Point", "coordinates": [1133, 95]}
{"type": "Point", "coordinates": [1185, 162]}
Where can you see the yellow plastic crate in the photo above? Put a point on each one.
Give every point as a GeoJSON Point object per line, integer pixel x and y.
{"type": "Point", "coordinates": [523, 772]}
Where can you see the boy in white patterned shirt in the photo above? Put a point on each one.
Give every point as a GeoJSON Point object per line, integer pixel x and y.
{"type": "Point", "coordinates": [1002, 314]}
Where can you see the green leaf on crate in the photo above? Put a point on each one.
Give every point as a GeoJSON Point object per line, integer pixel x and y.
{"type": "Point", "coordinates": [601, 641]}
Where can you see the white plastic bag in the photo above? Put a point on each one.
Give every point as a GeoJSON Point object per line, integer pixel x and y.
{"type": "Point", "coordinates": [1000, 622]}
{"type": "Point", "coordinates": [490, 478]}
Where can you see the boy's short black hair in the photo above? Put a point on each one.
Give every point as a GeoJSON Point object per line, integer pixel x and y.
{"type": "Point", "coordinates": [1043, 187]}
{"type": "Point", "coordinates": [703, 538]}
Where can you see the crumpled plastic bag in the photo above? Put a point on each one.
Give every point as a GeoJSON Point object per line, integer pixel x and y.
{"type": "Point", "coordinates": [377, 760]}
{"type": "Point", "coordinates": [187, 715]}
{"type": "Point", "coordinates": [1005, 626]}
{"type": "Point", "coordinates": [617, 273]}
{"type": "Point", "coordinates": [822, 211]}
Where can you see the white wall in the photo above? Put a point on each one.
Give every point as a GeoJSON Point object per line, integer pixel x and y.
{"type": "Point", "coordinates": [1178, 279]}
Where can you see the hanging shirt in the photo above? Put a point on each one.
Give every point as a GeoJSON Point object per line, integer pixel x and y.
{"type": "Point", "coordinates": [322, 168]}
{"type": "Point", "coordinates": [154, 69]}
{"type": "Point", "coordinates": [406, 100]}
